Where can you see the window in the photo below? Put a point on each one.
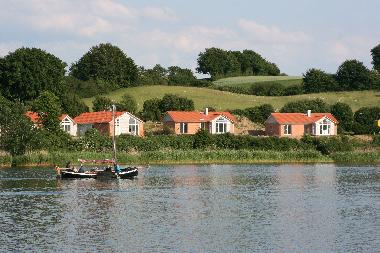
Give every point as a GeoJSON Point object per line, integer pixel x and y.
{"type": "Point", "coordinates": [324, 127]}
{"type": "Point", "coordinates": [183, 128]}
{"type": "Point", "coordinates": [221, 128]}
{"type": "Point", "coordinates": [65, 125]}
{"type": "Point", "coordinates": [203, 125]}
{"type": "Point", "coordinates": [133, 126]}
{"type": "Point", "coordinates": [287, 129]}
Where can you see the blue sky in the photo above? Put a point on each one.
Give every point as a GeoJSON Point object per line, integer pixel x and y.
{"type": "Point", "coordinates": [295, 34]}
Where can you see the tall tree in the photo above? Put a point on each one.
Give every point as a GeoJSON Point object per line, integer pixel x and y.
{"type": "Point", "coordinates": [17, 132]}
{"type": "Point", "coordinates": [180, 76]}
{"type": "Point", "coordinates": [343, 113]}
{"type": "Point", "coordinates": [48, 108]}
{"type": "Point", "coordinates": [127, 103]}
{"type": "Point", "coordinates": [26, 72]}
{"type": "Point", "coordinates": [106, 62]}
{"type": "Point", "coordinates": [375, 52]}
{"type": "Point", "coordinates": [316, 80]}
{"type": "Point", "coordinates": [353, 75]}
{"type": "Point", "coordinates": [301, 106]}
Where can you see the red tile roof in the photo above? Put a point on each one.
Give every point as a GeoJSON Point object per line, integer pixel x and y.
{"type": "Point", "coordinates": [301, 118]}
{"type": "Point", "coordinates": [96, 117]}
{"type": "Point", "coordinates": [35, 118]}
{"type": "Point", "coordinates": [181, 116]}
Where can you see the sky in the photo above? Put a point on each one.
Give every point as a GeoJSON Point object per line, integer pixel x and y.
{"type": "Point", "coordinates": [294, 34]}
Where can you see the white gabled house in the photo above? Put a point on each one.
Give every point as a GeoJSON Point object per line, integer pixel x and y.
{"type": "Point", "coordinates": [125, 123]}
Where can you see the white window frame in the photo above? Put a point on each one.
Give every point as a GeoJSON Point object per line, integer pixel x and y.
{"type": "Point", "coordinates": [287, 129]}
{"type": "Point", "coordinates": [66, 125]}
{"type": "Point", "coordinates": [133, 126]}
{"type": "Point", "coordinates": [202, 125]}
{"type": "Point", "coordinates": [325, 127]}
{"type": "Point", "coordinates": [183, 128]}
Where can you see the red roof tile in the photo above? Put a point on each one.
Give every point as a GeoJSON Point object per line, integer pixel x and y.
{"type": "Point", "coordinates": [35, 118]}
{"type": "Point", "coordinates": [301, 118]}
{"type": "Point", "coordinates": [183, 116]}
{"type": "Point", "coordinates": [96, 117]}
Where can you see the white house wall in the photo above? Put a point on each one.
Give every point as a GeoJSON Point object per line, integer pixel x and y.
{"type": "Point", "coordinates": [317, 124]}
{"type": "Point", "coordinates": [213, 125]}
{"type": "Point", "coordinates": [123, 127]}
{"type": "Point", "coordinates": [73, 126]}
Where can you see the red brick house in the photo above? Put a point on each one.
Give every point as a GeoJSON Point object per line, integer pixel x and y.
{"type": "Point", "coordinates": [298, 124]}
{"type": "Point", "coordinates": [182, 122]}
{"type": "Point", "coordinates": [126, 123]}
{"type": "Point", "coordinates": [66, 123]}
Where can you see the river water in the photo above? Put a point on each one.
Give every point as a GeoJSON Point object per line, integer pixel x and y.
{"type": "Point", "coordinates": [208, 208]}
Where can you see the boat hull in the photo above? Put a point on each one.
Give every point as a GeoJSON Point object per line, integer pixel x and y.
{"type": "Point", "coordinates": [72, 174]}
{"type": "Point", "coordinates": [127, 173]}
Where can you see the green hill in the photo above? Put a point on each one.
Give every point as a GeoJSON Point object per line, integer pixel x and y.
{"type": "Point", "coordinates": [246, 81]}
{"type": "Point", "coordinates": [221, 100]}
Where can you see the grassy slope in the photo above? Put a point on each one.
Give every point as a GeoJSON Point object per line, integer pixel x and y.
{"type": "Point", "coordinates": [243, 81]}
{"type": "Point", "coordinates": [203, 97]}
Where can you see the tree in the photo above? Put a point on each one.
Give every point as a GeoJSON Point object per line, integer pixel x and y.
{"type": "Point", "coordinates": [48, 108]}
{"type": "Point", "coordinates": [375, 52]}
{"type": "Point", "coordinates": [151, 110]}
{"type": "Point", "coordinates": [101, 103]}
{"type": "Point", "coordinates": [353, 75]}
{"type": "Point", "coordinates": [180, 76]}
{"type": "Point", "coordinates": [106, 62]}
{"type": "Point", "coordinates": [316, 105]}
{"type": "Point", "coordinates": [202, 139]}
{"type": "Point", "coordinates": [365, 120]}
{"type": "Point", "coordinates": [343, 113]}
{"type": "Point", "coordinates": [171, 102]}
{"type": "Point", "coordinates": [316, 80]}
{"type": "Point", "coordinates": [26, 72]}
{"type": "Point", "coordinates": [17, 134]}
{"type": "Point", "coordinates": [127, 103]}
{"type": "Point", "coordinates": [155, 76]}
{"type": "Point", "coordinates": [259, 113]}
{"type": "Point", "coordinates": [217, 63]}
{"type": "Point", "coordinates": [72, 104]}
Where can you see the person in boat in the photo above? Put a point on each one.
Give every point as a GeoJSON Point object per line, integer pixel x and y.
{"type": "Point", "coordinates": [81, 169]}
{"type": "Point", "coordinates": [117, 168]}
{"type": "Point", "coordinates": [69, 167]}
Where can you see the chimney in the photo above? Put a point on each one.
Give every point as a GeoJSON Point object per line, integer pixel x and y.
{"type": "Point", "coordinates": [309, 113]}
{"type": "Point", "coordinates": [206, 111]}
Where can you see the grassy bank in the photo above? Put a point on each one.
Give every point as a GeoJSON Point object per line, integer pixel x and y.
{"type": "Point", "coordinates": [244, 81]}
{"type": "Point", "coordinates": [222, 100]}
{"type": "Point", "coordinates": [196, 157]}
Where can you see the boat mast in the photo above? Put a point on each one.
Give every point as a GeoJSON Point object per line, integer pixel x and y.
{"type": "Point", "coordinates": [113, 135]}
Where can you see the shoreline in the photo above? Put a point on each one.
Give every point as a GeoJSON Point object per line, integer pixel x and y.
{"type": "Point", "coordinates": [198, 157]}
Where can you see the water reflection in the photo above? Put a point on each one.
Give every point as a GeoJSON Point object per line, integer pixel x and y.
{"type": "Point", "coordinates": [210, 208]}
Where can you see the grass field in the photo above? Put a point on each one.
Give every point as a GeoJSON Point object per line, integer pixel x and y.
{"type": "Point", "coordinates": [221, 100]}
{"type": "Point", "coordinates": [247, 81]}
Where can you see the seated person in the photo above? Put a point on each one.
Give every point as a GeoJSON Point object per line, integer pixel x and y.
{"type": "Point", "coordinates": [81, 169]}
{"type": "Point", "coordinates": [117, 168]}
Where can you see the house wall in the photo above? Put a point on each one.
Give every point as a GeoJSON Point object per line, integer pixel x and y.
{"type": "Point", "coordinates": [297, 131]}
{"type": "Point", "coordinates": [192, 128]}
{"type": "Point", "coordinates": [272, 129]}
{"type": "Point", "coordinates": [333, 129]}
{"type": "Point", "coordinates": [103, 128]}
{"type": "Point", "coordinates": [123, 126]}
{"type": "Point", "coordinates": [230, 126]}
{"type": "Point", "coordinates": [73, 127]}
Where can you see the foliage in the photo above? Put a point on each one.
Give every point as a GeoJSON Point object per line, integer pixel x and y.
{"type": "Point", "coordinates": [26, 72]}
{"type": "Point", "coordinates": [180, 76]}
{"type": "Point", "coordinates": [202, 139]}
{"type": "Point", "coordinates": [293, 90]}
{"type": "Point", "coordinates": [220, 63]}
{"type": "Point", "coordinates": [101, 103]}
{"type": "Point", "coordinates": [343, 113]}
{"type": "Point", "coordinates": [48, 108]}
{"type": "Point", "coordinates": [72, 104]}
{"type": "Point", "coordinates": [365, 120]}
{"type": "Point", "coordinates": [127, 103]}
{"type": "Point", "coordinates": [16, 130]}
{"type": "Point", "coordinates": [217, 63]}
{"type": "Point", "coordinates": [375, 52]}
{"type": "Point", "coordinates": [258, 113]}
{"type": "Point", "coordinates": [171, 102]}
{"type": "Point", "coordinates": [353, 75]}
{"type": "Point", "coordinates": [267, 89]}
{"type": "Point", "coordinates": [155, 76]}
{"type": "Point", "coordinates": [106, 62]}
{"type": "Point", "coordinates": [316, 105]}
{"type": "Point", "coordinates": [151, 110]}
{"type": "Point", "coordinates": [316, 80]}
{"type": "Point", "coordinates": [88, 88]}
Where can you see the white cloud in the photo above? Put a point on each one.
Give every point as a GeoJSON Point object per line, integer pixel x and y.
{"type": "Point", "coordinates": [159, 13]}
{"type": "Point", "coordinates": [270, 34]}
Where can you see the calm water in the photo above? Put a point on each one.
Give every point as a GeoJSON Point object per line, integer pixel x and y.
{"type": "Point", "coordinates": [211, 208]}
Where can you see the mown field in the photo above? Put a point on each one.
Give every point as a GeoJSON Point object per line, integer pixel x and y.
{"type": "Point", "coordinates": [222, 100]}
{"type": "Point", "coordinates": [247, 81]}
